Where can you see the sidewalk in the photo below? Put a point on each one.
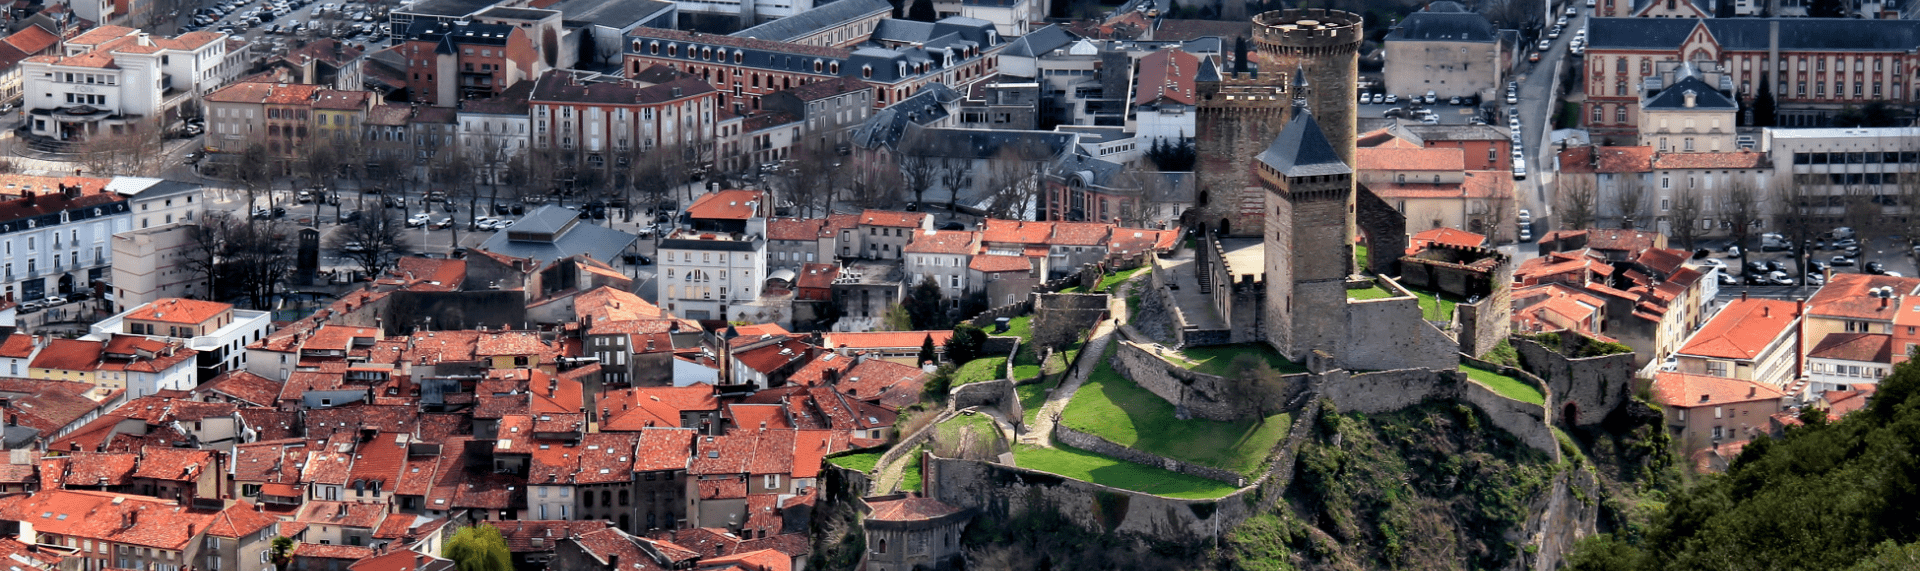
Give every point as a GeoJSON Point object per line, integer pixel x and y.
{"type": "Point", "coordinates": [1041, 432]}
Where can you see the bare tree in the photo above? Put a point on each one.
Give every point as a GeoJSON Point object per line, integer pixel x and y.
{"type": "Point", "coordinates": [320, 162]}
{"type": "Point", "coordinates": [1018, 170]}
{"type": "Point", "coordinates": [240, 256]}
{"type": "Point", "coordinates": [130, 152]}
{"type": "Point", "coordinates": [1630, 202]}
{"type": "Point", "coordinates": [374, 240]}
{"type": "Point", "coordinates": [1578, 202]}
{"type": "Point", "coordinates": [919, 171]}
{"type": "Point", "coordinates": [1742, 208]}
{"type": "Point", "coordinates": [1265, 387]}
{"type": "Point", "coordinates": [1797, 214]}
{"type": "Point", "coordinates": [454, 173]}
{"type": "Point", "coordinates": [1513, 14]}
{"type": "Point", "coordinates": [1684, 225]}
{"type": "Point", "coordinates": [871, 185]}
{"type": "Point", "coordinates": [954, 177]}
{"type": "Point", "coordinates": [655, 174]}
{"type": "Point", "coordinates": [1498, 213]}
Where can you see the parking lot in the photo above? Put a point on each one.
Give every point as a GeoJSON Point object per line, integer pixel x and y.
{"type": "Point", "coordinates": [276, 26]}
{"type": "Point", "coordinates": [1892, 255]}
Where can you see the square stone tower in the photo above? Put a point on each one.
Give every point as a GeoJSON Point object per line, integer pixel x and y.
{"type": "Point", "coordinates": [1309, 238]}
{"type": "Point", "coordinates": [1236, 115]}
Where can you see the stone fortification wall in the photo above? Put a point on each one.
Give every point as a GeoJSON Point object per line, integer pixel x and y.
{"type": "Point", "coordinates": [1387, 391]}
{"type": "Point", "coordinates": [1001, 491]}
{"type": "Point", "coordinates": [1011, 310]}
{"type": "Point", "coordinates": [1389, 334]}
{"type": "Point", "coordinates": [1098, 445]}
{"type": "Point", "coordinates": [1527, 422]}
{"type": "Point", "coordinates": [996, 393]}
{"type": "Point", "coordinates": [1384, 226]}
{"type": "Point", "coordinates": [1193, 395]}
{"type": "Point", "coordinates": [1480, 326]}
{"type": "Point", "coordinates": [1594, 386]}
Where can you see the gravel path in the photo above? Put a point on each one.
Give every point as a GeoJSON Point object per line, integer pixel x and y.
{"type": "Point", "coordinates": [1041, 432]}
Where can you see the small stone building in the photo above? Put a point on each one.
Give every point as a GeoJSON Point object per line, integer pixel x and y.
{"type": "Point", "coordinates": [909, 531]}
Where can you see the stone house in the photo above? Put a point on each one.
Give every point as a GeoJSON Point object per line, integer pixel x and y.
{"type": "Point", "coordinates": [1704, 411]}
{"type": "Point", "coordinates": [942, 256]}
{"type": "Point", "coordinates": [1750, 339]}
{"type": "Point", "coordinates": [1447, 50]}
{"type": "Point", "coordinates": [906, 532]}
{"type": "Point", "coordinates": [1682, 112]}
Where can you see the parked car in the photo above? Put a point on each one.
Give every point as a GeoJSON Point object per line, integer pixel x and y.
{"type": "Point", "coordinates": [1839, 261]}
{"type": "Point", "coordinates": [1851, 251]}
{"type": "Point", "coordinates": [1875, 268]}
{"type": "Point", "coordinates": [1545, 45]}
{"type": "Point", "coordinates": [1733, 251]}
{"type": "Point", "coordinates": [1846, 243]}
{"type": "Point", "coordinates": [1816, 266]}
{"type": "Point", "coordinates": [1727, 280]}
{"type": "Point", "coordinates": [1715, 262]}
{"type": "Point", "coordinates": [418, 220]}
{"type": "Point", "coordinates": [1757, 267]}
{"type": "Point", "coordinates": [1816, 279]}
{"type": "Point", "coordinates": [1776, 266]}
{"type": "Point", "coordinates": [350, 216]}
{"type": "Point", "coordinates": [1780, 278]}
{"type": "Point", "coordinates": [1534, 58]}
{"type": "Point", "coordinates": [353, 247]}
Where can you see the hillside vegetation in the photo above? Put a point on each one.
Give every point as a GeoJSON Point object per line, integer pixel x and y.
{"type": "Point", "coordinates": [1830, 495]}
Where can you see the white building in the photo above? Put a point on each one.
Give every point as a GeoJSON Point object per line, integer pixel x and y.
{"type": "Point", "coordinates": [1164, 97]}
{"type": "Point", "coordinates": [492, 132]}
{"type": "Point", "coordinates": [218, 331]}
{"type": "Point", "coordinates": [1847, 361]}
{"type": "Point", "coordinates": [152, 265]}
{"type": "Point", "coordinates": [113, 76]}
{"type": "Point", "coordinates": [159, 202]}
{"type": "Point", "coordinates": [942, 256]}
{"type": "Point", "coordinates": [1839, 162]}
{"type": "Point", "coordinates": [53, 240]}
{"type": "Point", "coordinates": [720, 256]}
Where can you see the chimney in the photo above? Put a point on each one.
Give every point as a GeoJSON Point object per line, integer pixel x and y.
{"type": "Point", "coordinates": [1752, 390]}
{"type": "Point", "coordinates": [1743, 295]}
{"type": "Point", "coordinates": [1884, 301]}
{"type": "Point", "coordinates": [1766, 311]}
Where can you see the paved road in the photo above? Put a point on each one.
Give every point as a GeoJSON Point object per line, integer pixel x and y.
{"type": "Point", "coordinates": [1539, 99]}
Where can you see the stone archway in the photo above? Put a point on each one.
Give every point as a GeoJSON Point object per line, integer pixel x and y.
{"type": "Point", "coordinates": [1570, 413]}
{"type": "Point", "coordinates": [1225, 228]}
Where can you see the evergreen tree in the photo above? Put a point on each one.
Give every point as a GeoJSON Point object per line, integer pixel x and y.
{"type": "Point", "coordinates": [1724, 9]}
{"type": "Point", "coordinates": [922, 11]}
{"type": "Point", "coordinates": [1240, 55]}
{"type": "Point", "coordinates": [1763, 104]}
{"type": "Point", "coordinates": [927, 305]}
{"type": "Point", "coordinates": [1827, 9]}
{"type": "Point", "coordinates": [926, 350]}
{"type": "Point", "coordinates": [965, 344]}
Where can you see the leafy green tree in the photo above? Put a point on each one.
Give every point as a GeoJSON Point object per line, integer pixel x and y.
{"type": "Point", "coordinates": [896, 318]}
{"type": "Point", "coordinates": [479, 548]}
{"type": "Point", "coordinates": [281, 551]}
{"type": "Point", "coordinates": [927, 306]}
{"type": "Point", "coordinates": [966, 344]}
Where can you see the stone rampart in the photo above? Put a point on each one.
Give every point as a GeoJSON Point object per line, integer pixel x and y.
{"type": "Point", "coordinates": [1527, 422]}
{"type": "Point", "coordinates": [1387, 391]}
{"type": "Point", "coordinates": [1389, 334]}
{"type": "Point", "coordinates": [1583, 391]}
{"type": "Point", "coordinates": [1192, 394]}
{"type": "Point", "coordinates": [997, 393]}
{"type": "Point", "coordinates": [1094, 443]}
{"type": "Point", "coordinates": [985, 319]}
{"type": "Point", "coordinates": [1001, 491]}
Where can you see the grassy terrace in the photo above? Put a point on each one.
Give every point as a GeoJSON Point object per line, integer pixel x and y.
{"type": "Point", "coordinates": [912, 479]}
{"type": "Point", "coordinates": [1506, 385]}
{"type": "Point", "coordinates": [1115, 408]}
{"type": "Point", "coordinates": [980, 370]}
{"type": "Point", "coordinates": [1083, 465]}
{"type": "Point", "coordinates": [1371, 292]}
{"type": "Point", "coordinates": [1107, 283]}
{"type": "Point", "coordinates": [1436, 306]}
{"type": "Point", "coordinates": [862, 462]}
{"type": "Point", "coordinates": [1218, 359]}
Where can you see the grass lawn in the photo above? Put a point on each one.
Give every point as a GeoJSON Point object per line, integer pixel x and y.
{"type": "Point", "coordinates": [911, 479]}
{"type": "Point", "coordinates": [980, 370]}
{"type": "Point", "coordinates": [1021, 327]}
{"type": "Point", "coordinates": [1082, 465]}
{"type": "Point", "coordinates": [863, 462]}
{"type": "Point", "coordinates": [1507, 386]}
{"type": "Point", "coordinates": [1034, 395]}
{"type": "Point", "coordinates": [1108, 282]}
{"type": "Point", "coordinates": [1360, 256]}
{"type": "Point", "coordinates": [950, 430]}
{"type": "Point", "coordinates": [1115, 408]}
{"type": "Point", "coordinates": [1374, 292]}
{"type": "Point", "coordinates": [1436, 306]}
{"type": "Point", "coordinates": [1216, 359]}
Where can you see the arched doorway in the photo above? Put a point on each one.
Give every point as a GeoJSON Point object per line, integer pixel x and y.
{"type": "Point", "coordinates": [66, 284]}
{"type": "Point", "coordinates": [1226, 227]}
{"type": "Point", "coordinates": [1569, 413]}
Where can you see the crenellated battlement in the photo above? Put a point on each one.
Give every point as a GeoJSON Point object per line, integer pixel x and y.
{"type": "Point", "coordinates": [1308, 29]}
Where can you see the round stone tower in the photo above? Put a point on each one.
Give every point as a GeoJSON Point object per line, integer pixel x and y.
{"type": "Point", "coordinates": [1326, 43]}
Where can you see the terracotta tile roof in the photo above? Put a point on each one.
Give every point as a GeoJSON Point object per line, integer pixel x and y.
{"type": "Point", "coordinates": [943, 242]}
{"type": "Point", "coordinates": [1580, 160]}
{"type": "Point", "coordinates": [1016, 232]}
{"type": "Point", "coordinates": [762, 560]}
{"type": "Point", "coordinates": [1448, 236]}
{"type": "Point", "coordinates": [725, 487]}
{"type": "Point", "coordinates": [811, 447]}
{"type": "Point", "coordinates": [1742, 329]}
{"type": "Point", "coordinates": [101, 469]}
{"type": "Point", "coordinates": [1440, 159]}
{"type": "Point", "coordinates": [19, 474]}
{"type": "Point", "coordinates": [838, 222]}
{"type": "Point", "coordinates": [429, 274]}
{"type": "Point", "coordinates": [664, 449]}
{"type": "Point", "coordinates": [18, 345]}
{"type": "Point", "coordinates": [1686, 391]}
{"type": "Point", "coordinates": [639, 408]}
{"type": "Point", "coordinates": [489, 491]}
{"type": "Point", "coordinates": [1842, 403]}
{"type": "Point", "coordinates": [608, 544]}
{"type": "Point", "coordinates": [1865, 347]}
{"type": "Point", "coordinates": [996, 263]}
{"type": "Point", "coordinates": [758, 416]}
{"type": "Point", "coordinates": [726, 454]}
{"type": "Point", "coordinates": [1846, 296]}
{"type": "Point", "coordinates": [1663, 260]}
{"type": "Point", "coordinates": [520, 534]}
{"type": "Point", "coordinates": [136, 521]}
{"type": "Point", "coordinates": [1129, 241]}
{"type": "Point", "coordinates": [1166, 74]}
{"type": "Point", "coordinates": [1080, 234]}
{"type": "Point", "coordinates": [102, 34]}
{"type": "Point", "coordinates": [344, 514]}
{"type": "Point", "coordinates": [801, 229]}
{"type": "Point", "coordinates": [32, 39]}
{"type": "Point", "coordinates": [894, 218]}
{"type": "Point", "coordinates": [1587, 263]}
{"type": "Point", "coordinates": [379, 462]}
{"type": "Point", "coordinates": [69, 355]}
{"type": "Point", "coordinates": [177, 310]}
{"type": "Point", "coordinates": [433, 347]}
{"type": "Point", "coordinates": [246, 387]}
{"type": "Point", "coordinates": [817, 276]}
{"type": "Point", "coordinates": [240, 520]}
{"type": "Point", "coordinates": [724, 205]}
{"type": "Point", "coordinates": [857, 340]}
{"type": "Point", "coordinates": [174, 464]}
{"type": "Point", "coordinates": [329, 551]}
{"type": "Point", "coordinates": [887, 383]}
{"type": "Point", "coordinates": [13, 549]}
{"type": "Point", "coordinates": [911, 508]}
{"type": "Point", "coordinates": [271, 424]}
{"type": "Point", "coordinates": [268, 461]}
{"type": "Point", "coordinates": [515, 435]}
{"type": "Point", "coordinates": [1477, 184]}
{"type": "Point", "coordinates": [1742, 159]}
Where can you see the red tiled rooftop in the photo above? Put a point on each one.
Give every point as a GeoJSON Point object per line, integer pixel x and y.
{"type": "Point", "coordinates": [1865, 347]}
{"type": "Point", "coordinates": [1742, 159]}
{"type": "Point", "coordinates": [942, 242]}
{"type": "Point", "coordinates": [1167, 74]}
{"type": "Point", "coordinates": [69, 355]}
{"type": "Point", "coordinates": [725, 205]}
{"type": "Point", "coordinates": [1742, 329]}
{"type": "Point", "coordinates": [1685, 390]}
{"type": "Point", "coordinates": [177, 310]}
{"type": "Point", "coordinates": [893, 218]}
{"type": "Point", "coordinates": [1438, 159]}
{"type": "Point", "coordinates": [1581, 160]}
{"type": "Point", "coordinates": [997, 263]}
{"type": "Point", "coordinates": [1847, 296]}
{"type": "Point", "coordinates": [802, 229]}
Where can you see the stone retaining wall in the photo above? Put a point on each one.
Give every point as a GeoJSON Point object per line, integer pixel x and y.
{"type": "Point", "coordinates": [1387, 391]}
{"type": "Point", "coordinates": [1096, 444]}
{"type": "Point", "coordinates": [1593, 386]}
{"type": "Point", "coordinates": [1527, 422]}
{"type": "Point", "coordinates": [999, 491]}
{"type": "Point", "coordinates": [996, 393]}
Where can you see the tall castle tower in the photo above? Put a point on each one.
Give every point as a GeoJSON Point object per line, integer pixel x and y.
{"type": "Point", "coordinates": [1309, 236]}
{"type": "Point", "coordinates": [1326, 44]}
{"type": "Point", "coordinates": [1237, 114]}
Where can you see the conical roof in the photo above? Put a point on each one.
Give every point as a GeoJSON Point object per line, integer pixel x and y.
{"type": "Point", "coordinates": [1302, 150]}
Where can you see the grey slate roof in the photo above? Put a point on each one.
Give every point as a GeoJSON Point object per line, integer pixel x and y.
{"type": "Point", "coordinates": [1038, 42]}
{"type": "Point", "coordinates": [1751, 34]}
{"type": "Point", "coordinates": [1427, 132]}
{"type": "Point", "coordinates": [616, 14]}
{"type": "Point", "coordinates": [1705, 97]}
{"type": "Point", "coordinates": [1302, 150]}
{"type": "Point", "coordinates": [1207, 72]}
{"type": "Point", "coordinates": [819, 18]}
{"type": "Point", "coordinates": [600, 242]}
{"type": "Point", "coordinates": [1094, 171]}
{"type": "Point", "coordinates": [1443, 27]}
{"type": "Point", "coordinates": [887, 126]}
{"type": "Point", "coordinates": [985, 143]}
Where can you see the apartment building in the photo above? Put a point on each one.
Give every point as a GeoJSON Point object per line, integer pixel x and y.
{"type": "Point", "coordinates": [1750, 339]}
{"type": "Point", "coordinates": [717, 258]}
{"type": "Point", "coordinates": [452, 61]}
{"type": "Point", "coordinates": [114, 78]}
{"type": "Point", "coordinates": [607, 120]}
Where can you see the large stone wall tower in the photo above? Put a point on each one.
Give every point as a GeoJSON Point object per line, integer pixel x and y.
{"type": "Point", "coordinates": [1325, 43]}
{"type": "Point", "coordinates": [1309, 246]}
{"type": "Point", "coordinates": [1236, 116]}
